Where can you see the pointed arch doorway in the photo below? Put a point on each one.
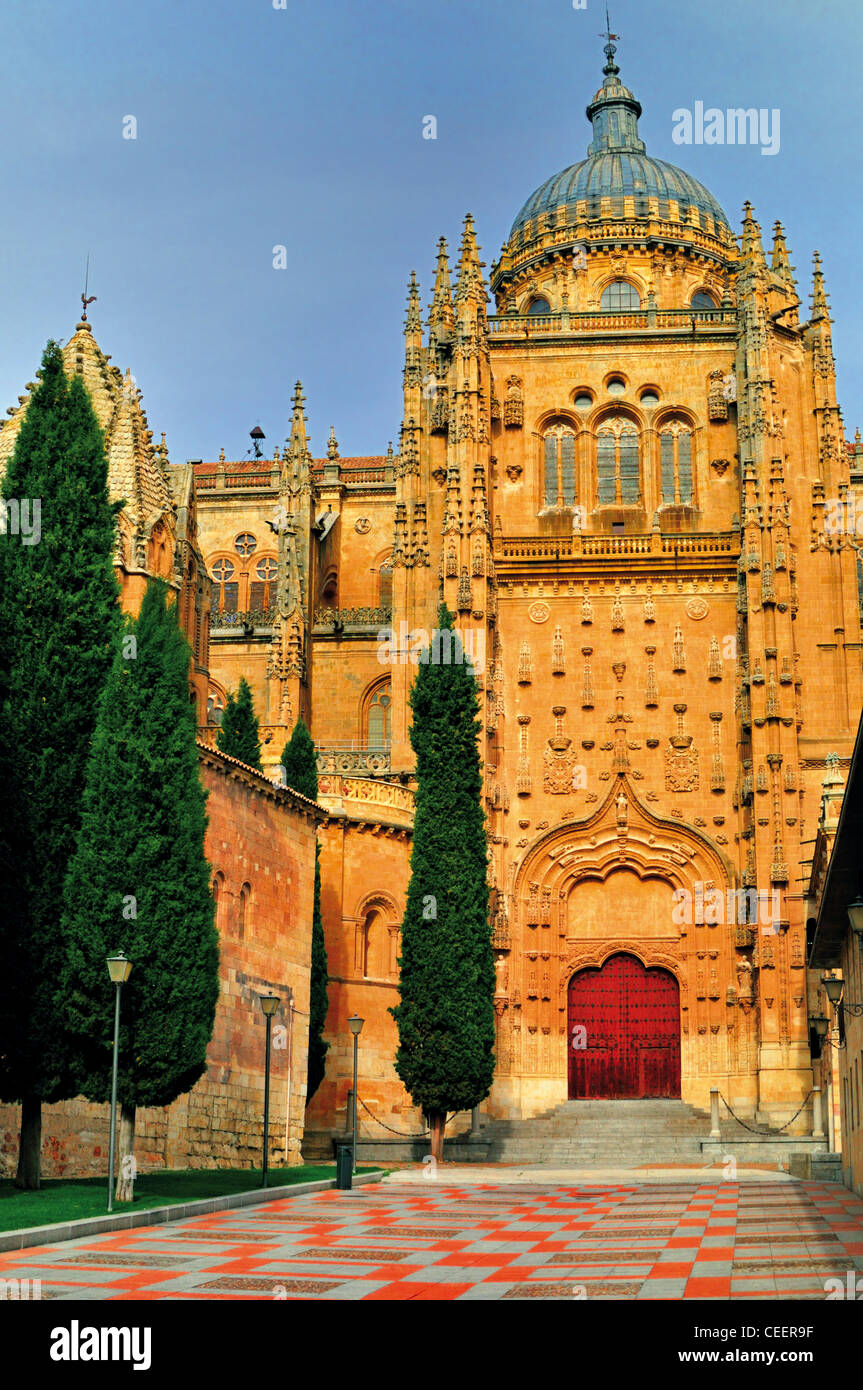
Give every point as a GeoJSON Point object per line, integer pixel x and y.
{"type": "Point", "coordinates": [624, 1031]}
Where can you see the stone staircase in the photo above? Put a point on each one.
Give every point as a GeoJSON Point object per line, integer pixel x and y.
{"type": "Point", "coordinates": [606, 1133]}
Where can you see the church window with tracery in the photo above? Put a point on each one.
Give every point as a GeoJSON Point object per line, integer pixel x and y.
{"type": "Point", "coordinates": [226, 589]}
{"type": "Point", "coordinates": [617, 463]}
{"type": "Point", "coordinates": [559, 489]}
{"type": "Point", "coordinates": [675, 461]}
{"type": "Point", "coordinates": [377, 717]}
{"type": "Point", "coordinates": [245, 544]}
{"type": "Point", "coordinates": [262, 590]}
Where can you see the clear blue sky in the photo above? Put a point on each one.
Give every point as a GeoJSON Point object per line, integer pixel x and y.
{"type": "Point", "coordinates": [303, 127]}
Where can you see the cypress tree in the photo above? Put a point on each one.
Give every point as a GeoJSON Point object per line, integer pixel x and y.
{"type": "Point", "coordinates": [139, 882]}
{"type": "Point", "coordinates": [59, 618]}
{"type": "Point", "coordinates": [445, 1015]}
{"type": "Point", "coordinates": [238, 735]}
{"type": "Point", "coordinates": [301, 773]}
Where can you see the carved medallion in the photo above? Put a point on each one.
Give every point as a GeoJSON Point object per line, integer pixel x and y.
{"type": "Point", "coordinates": [539, 612]}
{"type": "Point", "coordinates": [697, 609]}
{"type": "Point", "coordinates": [362, 525]}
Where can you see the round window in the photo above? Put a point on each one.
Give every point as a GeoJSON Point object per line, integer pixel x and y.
{"type": "Point", "coordinates": [616, 387]}
{"type": "Point", "coordinates": [583, 402]}
{"type": "Point", "coordinates": [649, 398]}
{"type": "Point", "coordinates": [245, 544]}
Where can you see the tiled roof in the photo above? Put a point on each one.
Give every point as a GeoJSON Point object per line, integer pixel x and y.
{"type": "Point", "coordinates": [135, 471]}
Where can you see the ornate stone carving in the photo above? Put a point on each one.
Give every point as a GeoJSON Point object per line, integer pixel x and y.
{"type": "Point", "coordinates": [513, 405]}
{"type": "Point", "coordinates": [539, 612]}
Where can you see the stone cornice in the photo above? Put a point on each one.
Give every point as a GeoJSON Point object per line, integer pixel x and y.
{"type": "Point", "coordinates": [258, 782]}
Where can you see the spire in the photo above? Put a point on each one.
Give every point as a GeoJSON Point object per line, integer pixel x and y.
{"type": "Point", "coordinates": [779, 263]}
{"type": "Point", "coordinates": [296, 459]}
{"type": "Point", "coordinates": [469, 265]}
{"type": "Point", "coordinates": [413, 323]}
{"type": "Point", "coordinates": [752, 248]}
{"type": "Point", "coordinates": [332, 445]}
{"type": "Point", "coordinates": [441, 312]}
{"type": "Point", "coordinates": [820, 308]}
{"type": "Point", "coordinates": [614, 111]}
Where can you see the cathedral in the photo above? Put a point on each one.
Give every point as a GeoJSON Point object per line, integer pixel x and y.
{"type": "Point", "coordinates": [620, 480]}
{"type": "Point", "coordinates": [619, 465]}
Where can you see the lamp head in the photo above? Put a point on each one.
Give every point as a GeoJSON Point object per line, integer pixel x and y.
{"type": "Point", "coordinates": [833, 988]}
{"type": "Point", "coordinates": [855, 916]}
{"type": "Point", "coordinates": [119, 968]}
{"type": "Point", "coordinates": [355, 1023]}
{"type": "Point", "coordinates": [269, 1003]}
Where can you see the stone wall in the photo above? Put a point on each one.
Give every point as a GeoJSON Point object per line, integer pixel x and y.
{"type": "Point", "coordinates": [264, 837]}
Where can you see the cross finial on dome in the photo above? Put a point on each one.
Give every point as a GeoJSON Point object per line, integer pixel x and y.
{"type": "Point", "coordinates": [611, 69]}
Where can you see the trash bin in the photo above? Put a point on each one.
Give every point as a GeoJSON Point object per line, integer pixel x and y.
{"type": "Point", "coordinates": [344, 1167]}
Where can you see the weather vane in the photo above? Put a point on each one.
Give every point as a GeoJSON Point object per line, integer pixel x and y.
{"type": "Point", "coordinates": [84, 300]}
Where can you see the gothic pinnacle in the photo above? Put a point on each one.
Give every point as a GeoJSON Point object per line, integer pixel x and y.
{"type": "Point", "coordinates": [332, 444]}
{"type": "Point", "coordinates": [470, 266]}
{"type": "Point", "coordinates": [779, 263]}
{"type": "Point", "coordinates": [752, 247]}
{"type": "Point", "coordinates": [413, 323]}
{"type": "Point", "coordinates": [441, 312]}
{"type": "Point", "coordinates": [820, 309]}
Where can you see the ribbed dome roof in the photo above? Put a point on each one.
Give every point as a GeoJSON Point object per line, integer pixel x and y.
{"type": "Point", "coordinates": [618, 167]}
{"type": "Point", "coordinates": [619, 174]}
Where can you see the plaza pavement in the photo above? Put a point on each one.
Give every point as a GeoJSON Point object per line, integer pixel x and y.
{"type": "Point", "coordinates": [484, 1233]}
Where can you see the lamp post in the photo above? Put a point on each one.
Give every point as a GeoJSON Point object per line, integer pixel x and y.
{"type": "Point", "coordinates": [269, 1004]}
{"type": "Point", "coordinates": [355, 1023]}
{"type": "Point", "coordinates": [119, 969]}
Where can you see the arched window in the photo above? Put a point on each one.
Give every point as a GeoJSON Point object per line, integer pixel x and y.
{"type": "Point", "coordinates": [559, 487]}
{"type": "Point", "coordinates": [619, 296]}
{"type": "Point", "coordinates": [540, 305]}
{"type": "Point", "coordinates": [226, 589]}
{"type": "Point", "coordinates": [377, 717]}
{"type": "Point", "coordinates": [217, 890]}
{"type": "Point", "coordinates": [702, 300]}
{"type": "Point", "coordinates": [262, 590]}
{"type": "Point", "coordinates": [243, 906]}
{"type": "Point", "coordinates": [245, 544]}
{"type": "Point", "coordinates": [675, 462]}
{"type": "Point", "coordinates": [385, 584]}
{"type": "Point", "coordinates": [617, 463]}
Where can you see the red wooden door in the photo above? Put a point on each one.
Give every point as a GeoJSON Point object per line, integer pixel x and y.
{"type": "Point", "coordinates": [624, 1031]}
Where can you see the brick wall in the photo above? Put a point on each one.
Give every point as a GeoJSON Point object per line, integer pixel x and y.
{"type": "Point", "coordinates": [264, 837]}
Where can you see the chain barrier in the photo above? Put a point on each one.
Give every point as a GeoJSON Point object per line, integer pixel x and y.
{"type": "Point", "coordinates": [766, 1132]}
{"type": "Point", "coordinates": [401, 1134]}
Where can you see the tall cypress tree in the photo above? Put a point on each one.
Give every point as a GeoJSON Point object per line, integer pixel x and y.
{"type": "Point", "coordinates": [238, 734]}
{"type": "Point", "coordinates": [59, 618]}
{"type": "Point", "coordinates": [445, 1015]}
{"type": "Point", "coordinates": [301, 773]}
{"type": "Point", "coordinates": [139, 882]}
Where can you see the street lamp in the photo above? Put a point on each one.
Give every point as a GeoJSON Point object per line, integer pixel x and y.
{"type": "Point", "coordinates": [855, 917]}
{"type": "Point", "coordinates": [355, 1023]}
{"type": "Point", "coordinates": [821, 1025]}
{"type": "Point", "coordinates": [833, 988]}
{"type": "Point", "coordinates": [269, 1004]}
{"type": "Point", "coordinates": [119, 969]}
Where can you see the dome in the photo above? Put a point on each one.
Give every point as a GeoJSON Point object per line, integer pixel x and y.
{"type": "Point", "coordinates": [619, 174]}
{"type": "Point", "coordinates": [618, 167]}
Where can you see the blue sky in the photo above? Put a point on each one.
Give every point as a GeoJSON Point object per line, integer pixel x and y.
{"type": "Point", "coordinates": [302, 127]}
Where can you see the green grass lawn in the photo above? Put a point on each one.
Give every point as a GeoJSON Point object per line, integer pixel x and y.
{"type": "Point", "coordinates": [60, 1199]}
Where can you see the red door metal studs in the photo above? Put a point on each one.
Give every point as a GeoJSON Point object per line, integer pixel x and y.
{"type": "Point", "coordinates": [624, 1031]}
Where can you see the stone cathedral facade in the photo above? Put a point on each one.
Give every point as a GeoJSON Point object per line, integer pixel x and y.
{"type": "Point", "coordinates": [620, 465]}
{"type": "Point", "coordinates": [617, 457]}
